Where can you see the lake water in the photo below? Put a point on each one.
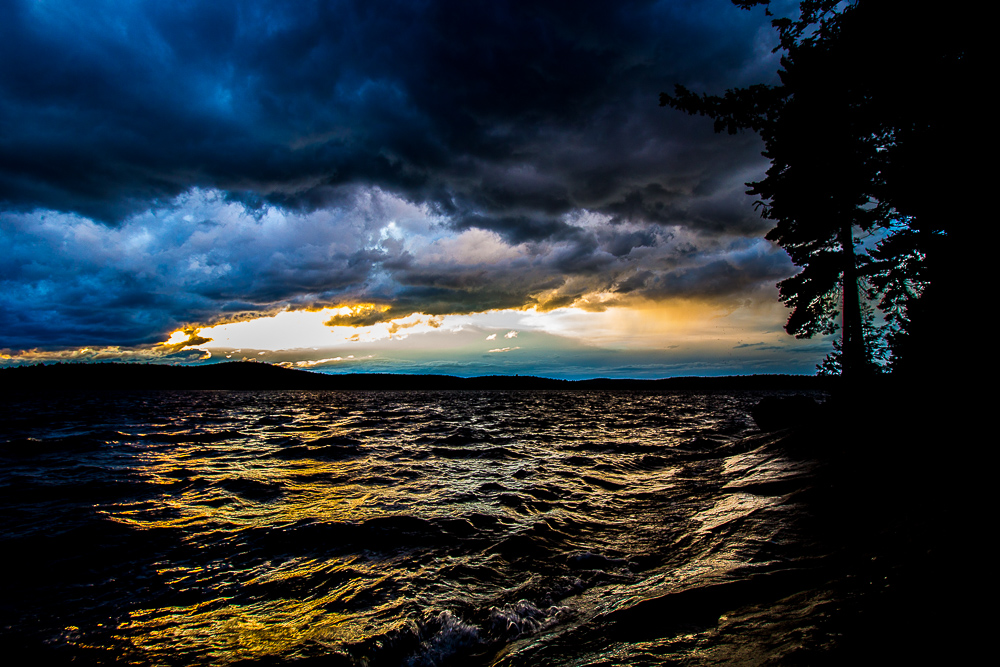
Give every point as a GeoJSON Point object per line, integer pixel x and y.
{"type": "Point", "coordinates": [402, 528]}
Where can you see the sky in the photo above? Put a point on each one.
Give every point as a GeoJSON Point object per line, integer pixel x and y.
{"type": "Point", "coordinates": [424, 186]}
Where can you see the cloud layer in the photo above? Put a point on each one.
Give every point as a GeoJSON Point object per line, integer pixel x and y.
{"type": "Point", "coordinates": [165, 165]}
{"type": "Point", "coordinates": [70, 281]}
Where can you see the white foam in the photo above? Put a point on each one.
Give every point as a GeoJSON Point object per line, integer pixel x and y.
{"type": "Point", "coordinates": [452, 636]}
{"type": "Point", "coordinates": [523, 618]}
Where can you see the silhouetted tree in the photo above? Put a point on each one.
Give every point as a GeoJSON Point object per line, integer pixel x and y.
{"type": "Point", "coordinates": [898, 276]}
{"type": "Point", "coordinates": [877, 338]}
{"type": "Point", "coordinates": [818, 186]}
{"type": "Point", "coordinates": [919, 76]}
{"type": "Point", "coordinates": [843, 131]}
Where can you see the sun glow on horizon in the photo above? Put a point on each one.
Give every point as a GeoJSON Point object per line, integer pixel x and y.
{"type": "Point", "coordinates": [641, 326]}
{"type": "Point", "coordinates": [643, 339]}
{"type": "Point", "coordinates": [176, 338]}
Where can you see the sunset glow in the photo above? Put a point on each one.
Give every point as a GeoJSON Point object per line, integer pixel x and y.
{"type": "Point", "coordinates": [363, 227]}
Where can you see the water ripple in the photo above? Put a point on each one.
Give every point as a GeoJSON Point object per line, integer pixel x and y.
{"type": "Point", "coordinates": [413, 528]}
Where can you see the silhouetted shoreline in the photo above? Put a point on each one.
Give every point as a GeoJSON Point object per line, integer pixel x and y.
{"type": "Point", "coordinates": [262, 376]}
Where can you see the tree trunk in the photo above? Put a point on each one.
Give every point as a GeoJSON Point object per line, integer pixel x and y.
{"type": "Point", "coordinates": [854, 362]}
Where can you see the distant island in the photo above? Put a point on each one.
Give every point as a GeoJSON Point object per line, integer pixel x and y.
{"type": "Point", "coordinates": [263, 376]}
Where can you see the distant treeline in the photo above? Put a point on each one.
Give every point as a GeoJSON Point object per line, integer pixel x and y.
{"type": "Point", "coordinates": [250, 375]}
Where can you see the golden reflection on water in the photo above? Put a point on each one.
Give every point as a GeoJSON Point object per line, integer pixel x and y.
{"type": "Point", "coordinates": [216, 630]}
{"type": "Point", "coordinates": [207, 506]}
{"type": "Point", "coordinates": [226, 587]}
{"type": "Point", "coordinates": [237, 632]}
{"type": "Point", "coordinates": [224, 489]}
{"type": "Point", "coordinates": [277, 491]}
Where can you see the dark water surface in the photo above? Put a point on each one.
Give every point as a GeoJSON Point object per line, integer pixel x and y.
{"type": "Point", "coordinates": [417, 528]}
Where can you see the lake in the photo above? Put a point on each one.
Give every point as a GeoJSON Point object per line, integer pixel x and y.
{"type": "Point", "coordinates": [407, 528]}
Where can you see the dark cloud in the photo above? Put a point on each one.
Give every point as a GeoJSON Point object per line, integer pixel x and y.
{"type": "Point", "coordinates": [722, 275]}
{"type": "Point", "coordinates": [517, 228]}
{"type": "Point", "coordinates": [507, 113]}
{"type": "Point", "coordinates": [164, 165]}
{"type": "Point", "coordinates": [69, 281]}
{"type": "Point", "coordinates": [206, 259]}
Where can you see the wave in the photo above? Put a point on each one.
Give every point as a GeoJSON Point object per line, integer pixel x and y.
{"type": "Point", "coordinates": [399, 528]}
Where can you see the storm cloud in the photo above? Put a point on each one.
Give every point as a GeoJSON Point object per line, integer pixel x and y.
{"type": "Point", "coordinates": [165, 165]}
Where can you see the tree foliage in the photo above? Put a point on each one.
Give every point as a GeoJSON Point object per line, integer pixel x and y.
{"type": "Point", "coordinates": [877, 343]}
{"type": "Point", "coordinates": [852, 135]}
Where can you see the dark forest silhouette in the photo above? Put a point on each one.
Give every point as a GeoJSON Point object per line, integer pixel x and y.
{"type": "Point", "coordinates": [243, 375]}
{"type": "Point", "coordinates": [862, 138]}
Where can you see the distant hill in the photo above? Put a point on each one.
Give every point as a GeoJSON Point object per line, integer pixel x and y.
{"type": "Point", "coordinates": [258, 376]}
